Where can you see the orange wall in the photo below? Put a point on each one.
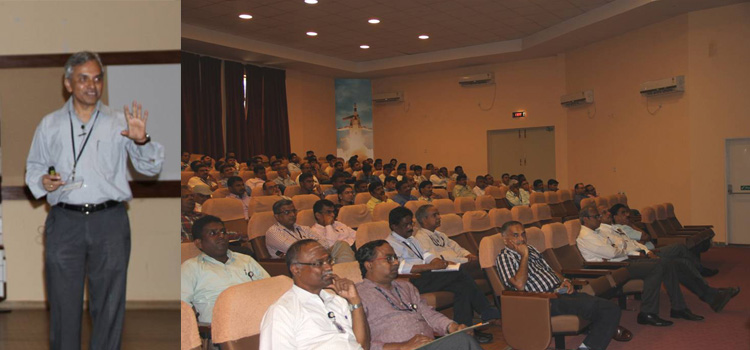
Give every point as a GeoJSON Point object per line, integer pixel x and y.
{"type": "Point", "coordinates": [310, 100]}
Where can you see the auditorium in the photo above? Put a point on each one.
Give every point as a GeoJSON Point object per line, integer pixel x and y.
{"type": "Point", "coordinates": [437, 174]}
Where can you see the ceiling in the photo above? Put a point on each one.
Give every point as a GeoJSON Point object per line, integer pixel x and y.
{"type": "Point", "coordinates": [462, 32]}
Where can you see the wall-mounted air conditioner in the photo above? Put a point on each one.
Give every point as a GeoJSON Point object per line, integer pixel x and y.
{"type": "Point", "coordinates": [663, 86]}
{"type": "Point", "coordinates": [577, 98]}
{"type": "Point", "coordinates": [388, 97]}
{"type": "Point", "coordinates": [477, 79]}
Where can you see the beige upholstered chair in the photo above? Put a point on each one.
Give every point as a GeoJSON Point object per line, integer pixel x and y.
{"type": "Point", "coordinates": [362, 198]}
{"type": "Point", "coordinates": [499, 216]}
{"type": "Point", "coordinates": [372, 231]}
{"type": "Point", "coordinates": [188, 250]}
{"type": "Point", "coordinates": [524, 215]}
{"type": "Point", "coordinates": [537, 197]}
{"type": "Point", "coordinates": [230, 211]}
{"type": "Point", "coordinates": [306, 218]}
{"type": "Point", "coordinates": [189, 337]}
{"type": "Point", "coordinates": [381, 211]}
{"type": "Point", "coordinates": [291, 191]}
{"type": "Point", "coordinates": [543, 214]}
{"type": "Point", "coordinates": [304, 201]}
{"type": "Point", "coordinates": [464, 204]}
{"type": "Point", "coordinates": [478, 225]}
{"type": "Point", "coordinates": [354, 215]}
{"type": "Point", "coordinates": [444, 206]}
{"type": "Point", "coordinates": [602, 201]}
{"type": "Point", "coordinates": [222, 192]}
{"type": "Point", "coordinates": [414, 205]}
{"type": "Point", "coordinates": [262, 204]}
{"type": "Point", "coordinates": [486, 202]}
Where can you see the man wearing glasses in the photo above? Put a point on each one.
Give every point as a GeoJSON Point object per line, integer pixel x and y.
{"type": "Point", "coordinates": [309, 317]}
{"type": "Point", "coordinates": [215, 269]}
{"type": "Point", "coordinates": [428, 236]}
{"type": "Point", "coordinates": [398, 317]}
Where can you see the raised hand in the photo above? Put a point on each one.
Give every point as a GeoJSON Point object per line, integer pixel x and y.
{"type": "Point", "coordinates": [345, 288]}
{"type": "Point", "coordinates": [136, 123]}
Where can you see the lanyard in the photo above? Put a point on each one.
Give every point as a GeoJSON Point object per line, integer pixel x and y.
{"type": "Point", "coordinates": [412, 249]}
{"type": "Point", "coordinates": [292, 234]}
{"type": "Point", "coordinates": [438, 242]}
{"type": "Point", "coordinates": [73, 141]}
{"type": "Point", "coordinates": [409, 307]}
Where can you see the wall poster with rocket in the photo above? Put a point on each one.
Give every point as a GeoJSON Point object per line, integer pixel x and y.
{"type": "Point", "coordinates": [354, 118]}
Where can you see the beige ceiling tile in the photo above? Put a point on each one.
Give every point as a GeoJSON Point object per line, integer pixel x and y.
{"type": "Point", "coordinates": [263, 11]}
{"type": "Point", "coordinates": [569, 13]}
{"type": "Point", "coordinates": [545, 19]}
{"type": "Point", "coordinates": [529, 28]}
{"type": "Point", "coordinates": [195, 3]}
{"type": "Point", "coordinates": [553, 5]}
{"type": "Point", "coordinates": [514, 4]}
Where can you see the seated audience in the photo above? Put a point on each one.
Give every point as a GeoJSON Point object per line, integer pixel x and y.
{"type": "Point", "coordinates": [293, 165]}
{"type": "Point", "coordinates": [201, 193]}
{"type": "Point", "coordinates": [307, 185]}
{"type": "Point", "coordinates": [387, 171]}
{"type": "Point", "coordinates": [225, 172]}
{"type": "Point", "coordinates": [461, 189]}
{"type": "Point", "coordinates": [231, 160]}
{"type": "Point", "coordinates": [337, 180]}
{"type": "Point", "coordinates": [458, 170]}
{"type": "Point", "coordinates": [399, 318]}
{"type": "Point", "coordinates": [356, 168]}
{"type": "Point", "coordinates": [404, 193]}
{"type": "Point", "coordinates": [430, 167]}
{"type": "Point", "coordinates": [420, 259]}
{"type": "Point", "coordinates": [377, 196]}
{"type": "Point", "coordinates": [579, 194]}
{"type": "Point", "coordinates": [202, 176]}
{"type": "Point", "coordinates": [328, 228]}
{"type": "Point", "coordinates": [390, 184]}
{"type": "Point", "coordinates": [400, 172]}
{"type": "Point", "coordinates": [438, 242]}
{"type": "Point", "coordinates": [271, 188]}
{"type": "Point", "coordinates": [184, 160]}
{"type": "Point", "coordinates": [216, 268]}
{"type": "Point", "coordinates": [590, 191]}
{"type": "Point", "coordinates": [440, 179]}
{"type": "Point", "coordinates": [521, 267]}
{"type": "Point", "coordinates": [552, 185]}
{"type": "Point", "coordinates": [276, 165]}
{"type": "Point", "coordinates": [346, 195]}
{"type": "Point", "coordinates": [538, 185]}
{"type": "Point", "coordinates": [378, 165]}
{"type": "Point", "coordinates": [237, 191]}
{"type": "Point", "coordinates": [425, 192]}
{"type": "Point", "coordinates": [367, 175]}
{"type": "Point", "coordinates": [284, 180]}
{"type": "Point", "coordinates": [208, 161]}
{"type": "Point", "coordinates": [319, 174]}
{"type": "Point", "coordinates": [188, 214]}
{"type": "Point", "coordinates": [481, 184]}
{"type": "Point", "coordinates": [622, 223]}
{"type": "Point", "coordinates": [307, 168]}
{"type": "Point", "coordinates": [360, 186]}
{"type": "Point", "coordinates": [489, 179]}
{"type": "Point", "coordinates": [309, 317]}
{"type": "Point", "coordinates": [505, 180]}
{"type": "Point", "coordinates": [515, 196]}
{"type": "Point", "coordinates": [525, 187]}
{"type": "Point", "coordinates": [259, 179]}
{"type": "Point", "coordinates": [418, 177]}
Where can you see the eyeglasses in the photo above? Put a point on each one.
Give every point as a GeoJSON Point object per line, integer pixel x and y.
{"type": "Point", "coordinates": [389, 258]}
{"type": "Point", "coordinates": [287, 212]}
{"type": "Point", "coordinates": [318, 264]}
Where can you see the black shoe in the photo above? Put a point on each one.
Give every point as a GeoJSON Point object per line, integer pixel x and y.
{"type": "Point", "coordinates": [482, 337]}
{"type": "Point", "coordinates": [706, 272]}
{"type": "Point", "coordinates": [685, 314]}
{"type": "Point", "coordinates": [653, 320]}
{"type": "Point", "coordinates": [723, 297]}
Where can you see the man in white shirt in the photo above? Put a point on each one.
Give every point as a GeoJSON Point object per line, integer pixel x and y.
{"type": "Point", "coordinates": [284, 179]}
{"type": "Point", "coordinates": [415, 258]}
{"type": "Point", "coordinates": [458, 170]}
{"type": "Point", "coordinates": [425, 191]}
{"type": "Point", "coordinates": [215, 269]}
{"type": "Point", "coordinates": [480, 186]}
{"type": "Point", "coordinates": [307, 169]}
{"type": "Point", "coordinates": [597, 244]}
{"type": "Point", "coordinates": [326, 226]}
{"type": "Point", "coordinates": [201, 193]}
{"type": "Point", "coordinates": [202, 176]}
{"type": "Point", "coordinates": [237, 191]}
{"type": "Point", "coordinates": [293, 163]}
{"type": "Point", "coordinates": [309, 317]}
{"type": "Point", "coordinates": [418, 177]}
{"type": "Point", "coordinates": [258, 180]}
{"type": "Point", "coordinates": [428, 236]}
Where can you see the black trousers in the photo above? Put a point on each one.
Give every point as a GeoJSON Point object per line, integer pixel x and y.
{"type": "Point", "coordinates": [604, 316]}
{"type": "Point", "coordinates": [467, 296]}
{"type": "Point", "coordinates": [77, 245]}
{"type": "Point", "coordinates": [460, 341]}
{"type": "Point", "coordinates": [687, 265]}
{"type": "Point", "coordinates": [654, 272]}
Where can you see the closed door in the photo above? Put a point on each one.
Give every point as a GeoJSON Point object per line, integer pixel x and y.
{"type": "Point", "coordinates": [738, 191]}
{"type": "Point", "coordinates": [529, 151]}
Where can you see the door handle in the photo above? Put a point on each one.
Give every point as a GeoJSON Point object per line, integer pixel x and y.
{"type": "Point", "coordinates": [729, 189]}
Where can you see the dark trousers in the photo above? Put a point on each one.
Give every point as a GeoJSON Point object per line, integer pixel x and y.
{"type": "Point", "coordinates": [467, 296]}
{"type": "Point", "coordinates": [76, 245]}
{"type": "Point", "coordinates": [687, 265]}
{"type": "Point", "coordinates": [460, 341]}
{"type": "Point", "coordinates": [603, 315]}
{"type": "Point", "coordinates": [654, 272]}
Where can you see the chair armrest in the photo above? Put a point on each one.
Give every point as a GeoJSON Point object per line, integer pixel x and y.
{"type": "Point", "coordinates": [274, 267]}
{"type": "Point", "coordinates": [585, 272]}
{"type": "Point", "coordinates": [408, 275]}
{"type": "Point", "coordinates": [698, 226]}
{"type": "Point", "coordinates": [606, 264]}
{"type": "Point", "coordinates": [529, 294]}
{"type": "Point", "coordinates": [637, 257]}
{"type": "Point", "coordinates": [579, 282]}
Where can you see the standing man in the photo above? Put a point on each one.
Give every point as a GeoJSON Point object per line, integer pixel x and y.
{"type": "Point", "coordinates": [87, 229]}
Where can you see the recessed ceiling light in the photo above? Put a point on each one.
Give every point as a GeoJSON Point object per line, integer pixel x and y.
{"type": "Point", "coordinates": [373, 20]}
{"type": "Point", "coordinates": [364, 46]}
{"type": "Point", "coordinates": [245, 16]}
{"type": "Point", "coordinates": [312, 33]}
{"type": "Point", "coordinates": [311, 2]}
{"type": "Point", "coordinates": [423, 37]}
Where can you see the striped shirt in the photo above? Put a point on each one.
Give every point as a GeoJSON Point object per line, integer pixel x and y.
{"type": "Point", "coordinates": [541, 277]}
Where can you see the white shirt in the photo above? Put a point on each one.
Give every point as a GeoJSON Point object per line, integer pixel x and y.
{"type": "Point", "coordinates": [633, 234]}
{"type": "Point", "coordinates": [418, 179]}
{"type": "Point", "coordinates": [595, 246]}
{"type": "Point", "coordinates": [335, 232]}
{"type": "Point", "coordinates": [315, 179]}
{"type": "Point", "coordinates": [293, 167]}
{"type": "Point", "coordinates": [254, 182]}
{"type": "Point", "coordinates": [300, 320]}
{"type": "Point", "coordinates": [245, 199]}
{"type": "Point", "coordinates": [633, 247]}
{"type": "Point", "coordinates": [409, 252]}
{"type": "Point", "coordinates": [478, 191]}
{"type": "Point", "coordinates": [195, 181]}
{"type": "Point", "coordinates": [203, 278]}
{"type": "Point", "coordinates": [441, 245]}
{"type": "Point", "coordinates": [438, 181]}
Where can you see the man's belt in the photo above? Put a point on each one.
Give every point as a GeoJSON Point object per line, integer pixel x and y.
{"type": "Point", "coordinates": [88, 208]}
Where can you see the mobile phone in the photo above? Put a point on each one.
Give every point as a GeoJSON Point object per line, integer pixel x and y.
{"type": "Point", "coordinates": [562, 290]}
{"type": "Point", "coordinates": [51, 171]}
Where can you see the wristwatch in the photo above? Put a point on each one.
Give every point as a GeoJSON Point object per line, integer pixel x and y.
{"type": "Point", "coordinates": [355, 306]}
{"type": "Point", "coordinates": [148, 139]}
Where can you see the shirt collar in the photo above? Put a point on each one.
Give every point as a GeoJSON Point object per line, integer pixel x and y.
{"type": "Point", "coordinates": [305, 295]}
{"type": "Point", "coordinates": [205, 258]}
{"type": "Point", "coordinates": [72, 110]}
{"type": "Point", "coordinates": [398, 237]}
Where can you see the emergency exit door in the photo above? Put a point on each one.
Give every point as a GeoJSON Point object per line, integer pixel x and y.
{"type": "Point", "coordinates": [529, 151]}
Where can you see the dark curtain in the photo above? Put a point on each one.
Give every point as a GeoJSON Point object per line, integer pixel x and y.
{"type": "Point", "coordinates": [235, 110]}
{"type": "Point", "coordinates": [275, 116]}
{"type": "Point", "coordinates": [255, 131]}
{"type": "Point", "coordinates": [190, 92]}
{"type": "Point", "coordinates": [209, 134]}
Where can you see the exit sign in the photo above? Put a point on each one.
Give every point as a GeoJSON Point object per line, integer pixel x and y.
{"type": "Point", "coordinates": [745, 188]}
{"type": "Point", "coordinates": [519, 114]}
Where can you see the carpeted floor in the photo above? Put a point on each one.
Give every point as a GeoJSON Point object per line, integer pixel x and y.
{"type": "Point", "coordinates": [729, 329]}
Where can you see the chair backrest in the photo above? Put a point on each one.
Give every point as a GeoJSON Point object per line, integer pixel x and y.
{"type": "Point", "coordinates": [489, 248]}
{"type": "Point", "coordinates": [541, 212]}
{"type": "Point", "coordinates": [441, 193]}
{"type": "Point", "coordinates": [391, 194]}
{"type": "Point", "coordinates": [565, 195]}
{"type": "Point", "coordinates": [551, 197]}
{"type": "Point", "coordinates": [381, 211]}
{"type": "Point", "coordinates": [556, 238]}
{"type": "Point", "coordinates": [602, 201]}
{"type": "Point", "coordinates": [449, 186]}
{"type": "Point", "coordinates": [304, 201]}
{"type": "Point", "coordinates": [291, 191]}
{"type": "Point", "coordinates": [263, 204]}
{"type": "Point", "coordinates": [498, 217]}
{"type": "Point", "coordinates": [349, 270]}
{"type": "Point", "coordinates": [587, 202]}
{"type": "Point", "coordinates": [224, 208]}
{"type": "Point", "coordinates": [325, 187]}
{"type": "Point", "coordinates": [537, 197]}
{"type": "Point", "coordinates": [485, 202]}
{"type": "Point", "coordinates": [362, 198]}
{"type": "Point", "coordinates": [648, 215]}
{"type": "Point", "coordinates": [271, 175]}
{"type": "Point", "coordinates": [220, 193]}
{"type": "Point", "coordinates": [189, 337]}
{"type": "Point", "coordinates": [372, 231]}
{"type": "Point", "coordinates": [333, 198]}
{"type": "Point", "coordinates": [493, 191]}
{"type": "Point", "coordinates": [239, 309]}
{"type": "Point", "coordinates": [573, 228]}
{"type": "Point", "coordinates": [623, 198]}
{"type": "Point", "coordinates": [246, 175]}
{"type": "Point", "coordinates": [354, 215]}
{"type": "Point", "coordinates": [451, 224]}
{"type": "Point", "coordinates": [415, 192]}
{"type": "Point", "coordinates": [522, 214]}
{"type": "Point", "coordinates": [476, 220]}
{"type": "Point", "coordinates": [188, 250]}
{"type": "Point", "coordinates": [306, 218]}
{"type": "Point", "coordinates": [257, 192]}
{"type": "Point", "coordinates": [259, 224]}
{"type": "Point", "coordinates": [444, 206]}
{"type": "Point", "coordinates": [464, 204]}
{"type": "Point", "coordinates": [661, 211]}
{"type": "Point", "coordinates": [613, 199]}
{"type": "Point", "coordinates": [414, 205]}
{"type": "Point", "coordinates": [185, 177]}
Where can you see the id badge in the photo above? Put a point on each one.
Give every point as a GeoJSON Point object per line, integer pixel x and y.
{"type": "Point", "coordinates": [78, 183]}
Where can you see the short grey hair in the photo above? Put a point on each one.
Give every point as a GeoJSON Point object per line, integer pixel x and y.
{"type": "Point", "coordinates": [421, 213]}
{"type": "Point", "coordinates": [584, 212]}
{"type": "Point", "coordinates": [80, 58]}
{"type": "Point", "coordinates": [280, 203]}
